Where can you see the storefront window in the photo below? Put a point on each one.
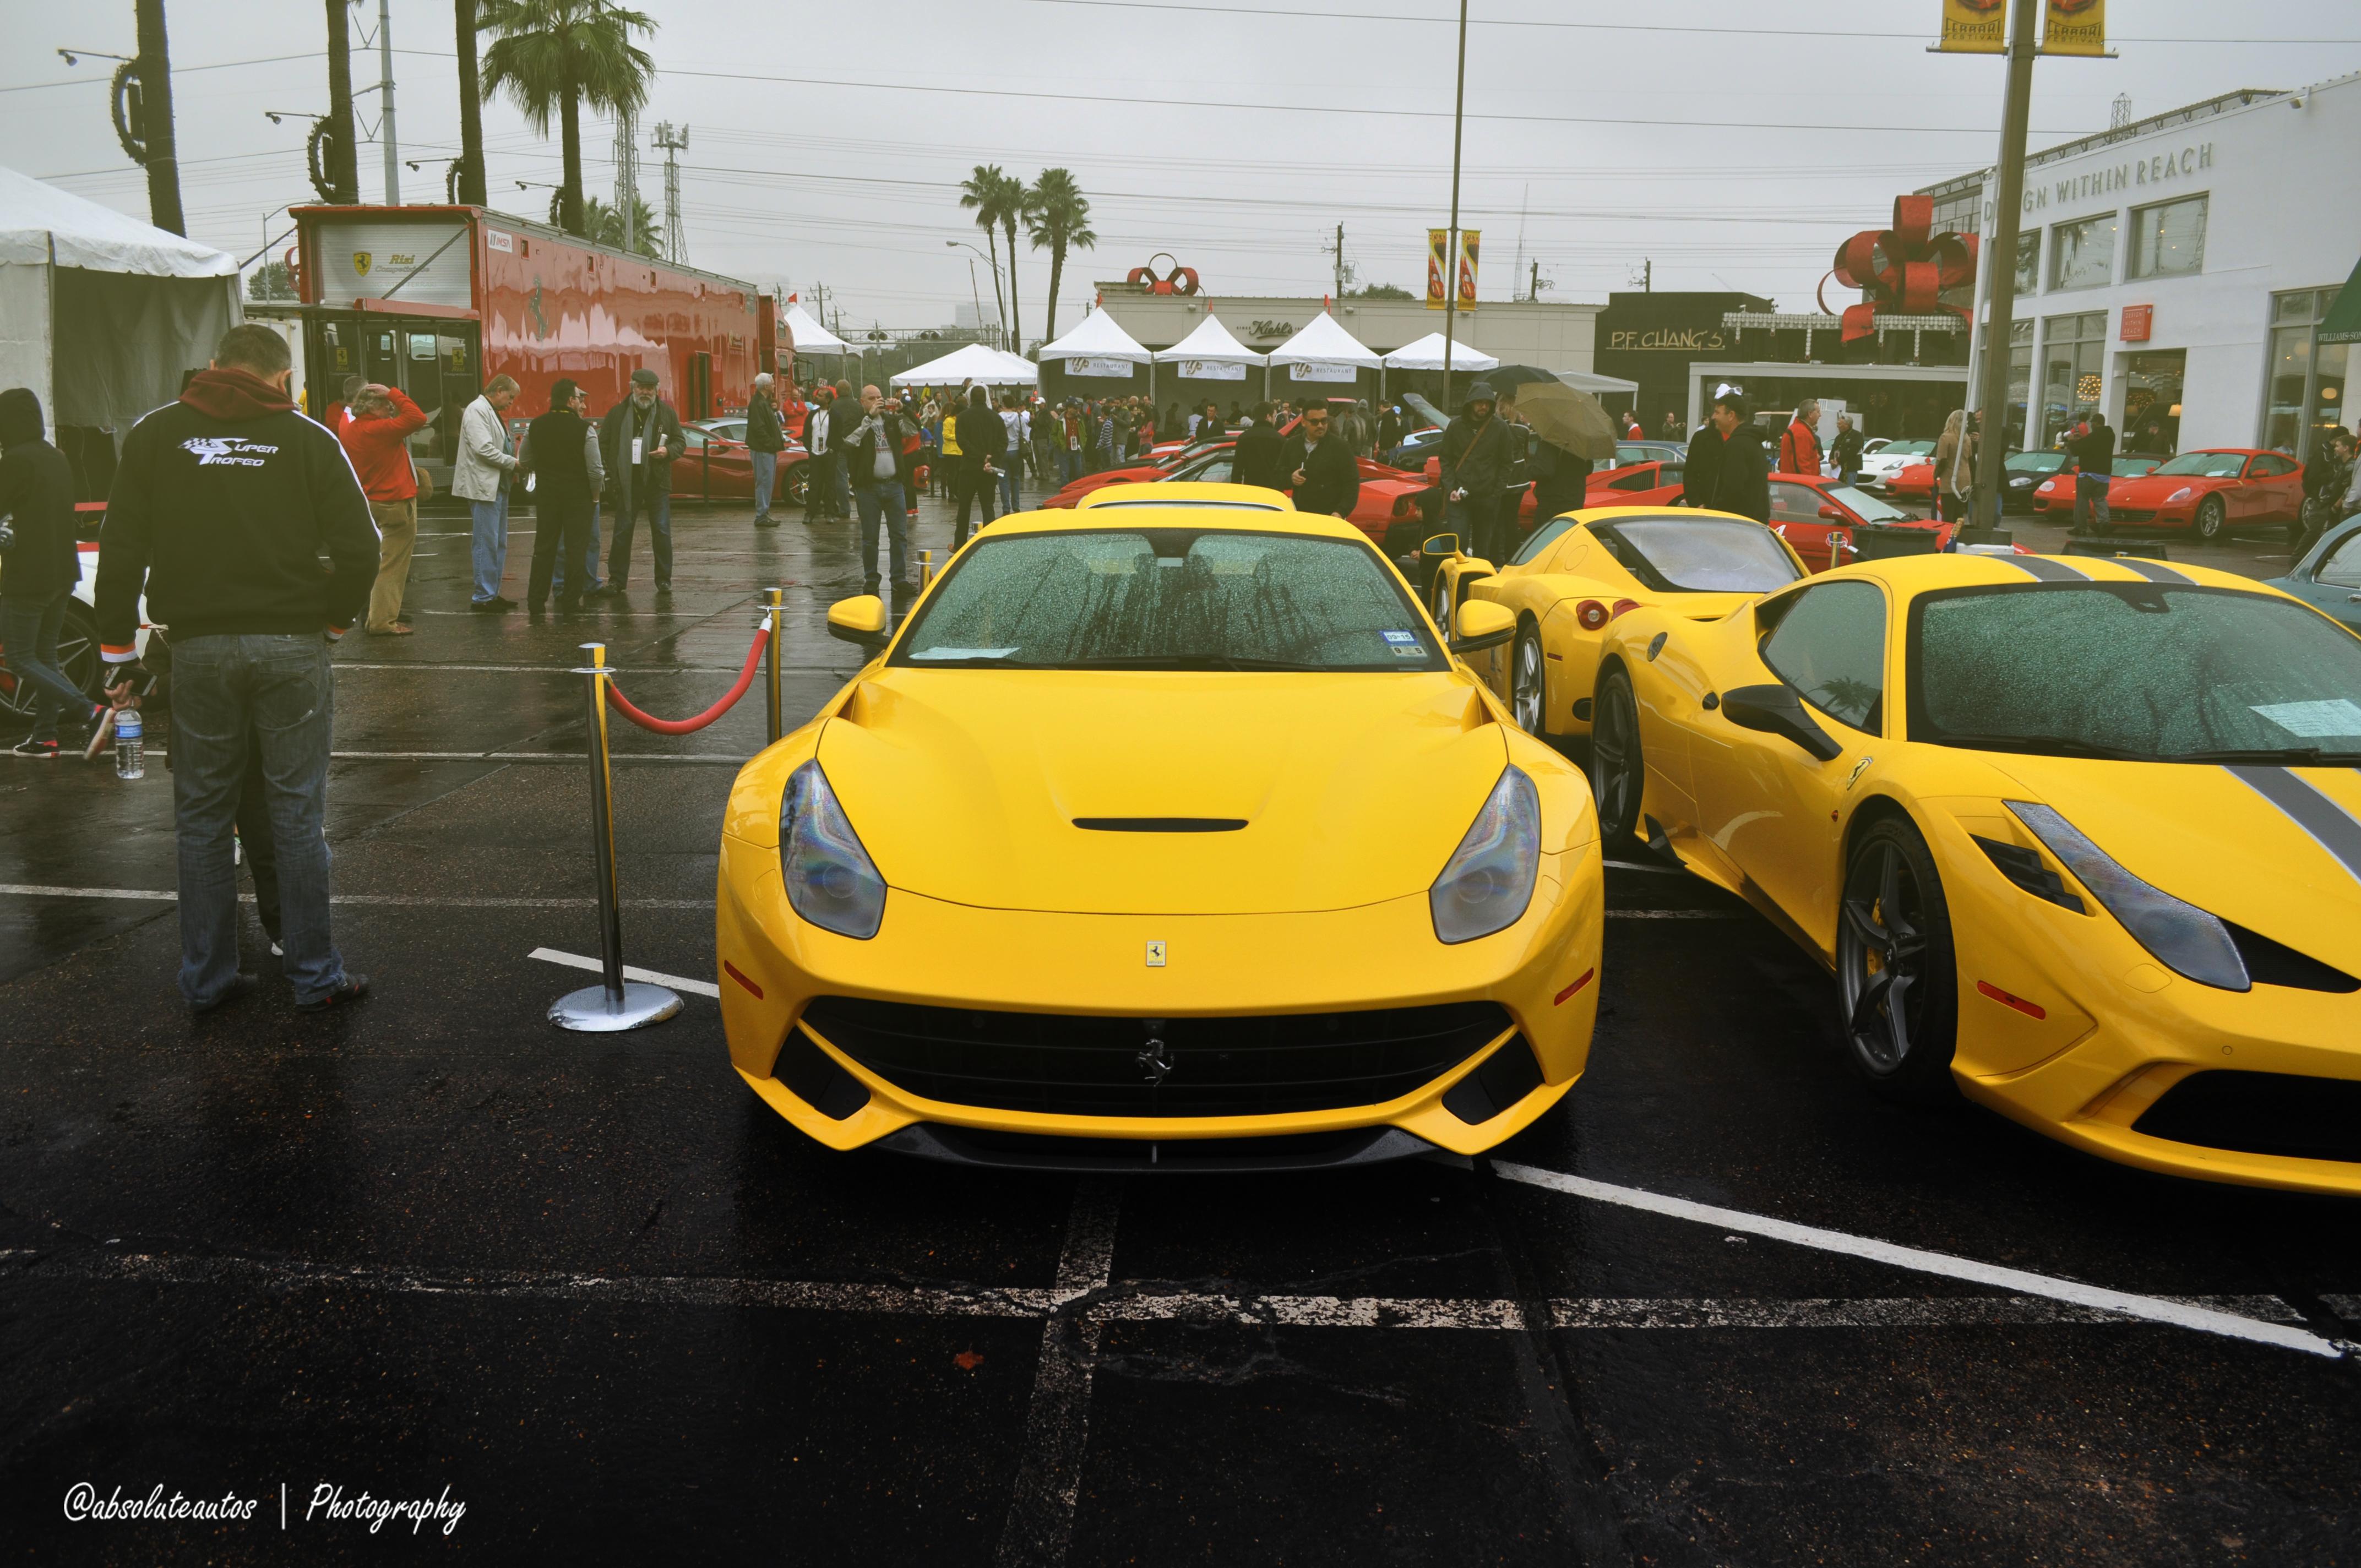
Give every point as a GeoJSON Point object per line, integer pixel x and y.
{"type": "Point", "coordinates": [2072, 352]}
{"type": "Point", "coordinates": [2028, 260]}
{"type": "Point", "coordinates": [2083, 256]}
{"type": "Point", "coordinates": [2309, 381]}
{"type": "Point", "coordinates": [2152, 401]}
{"type": "Point", "coordinates": [2169, 241]}
{"type": "Point", "coordinates": [2020, 380]}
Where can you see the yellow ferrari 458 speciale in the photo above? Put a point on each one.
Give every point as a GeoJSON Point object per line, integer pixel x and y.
{"type": "Point", "coordinates": [1573, 574]}
{"type": "Point", "coordinates": [1163, 833]}
{"type": "Point", "coordinates": [2080, 836]}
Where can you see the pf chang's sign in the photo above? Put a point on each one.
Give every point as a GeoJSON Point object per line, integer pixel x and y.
{"type": "Point", "coordinates": [2159, 169]}
{"type": "Point", "coordinates": [1669, 339]}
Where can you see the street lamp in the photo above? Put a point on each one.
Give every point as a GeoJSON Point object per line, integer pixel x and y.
{"type": "Point", "coordinates": [993, 262]}
{"type": "Point", "coordinates": [73, 56]}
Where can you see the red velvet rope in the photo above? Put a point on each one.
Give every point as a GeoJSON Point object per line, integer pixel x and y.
{"type": "Point", "coordinates": [683, 725]}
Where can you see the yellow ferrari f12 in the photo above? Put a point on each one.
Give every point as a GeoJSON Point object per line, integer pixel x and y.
{"type": "Point", "coordinates": [2081, 835]}
{"type": "Point", "coordinates": [1167, 833]}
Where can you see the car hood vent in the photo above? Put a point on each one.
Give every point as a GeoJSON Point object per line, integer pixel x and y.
{"type": "Point", "coordinates": [1160, 824]}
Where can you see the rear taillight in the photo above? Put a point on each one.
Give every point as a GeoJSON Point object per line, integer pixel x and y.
{"type": "Point", "coordinates": [1591, 614]}
{"type": "Point", "coordinates": [1622, 605]}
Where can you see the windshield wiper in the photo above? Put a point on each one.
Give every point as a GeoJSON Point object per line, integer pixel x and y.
{"type": "Point", "coordinates": [2049, 746]}
{"type": "Point", "coordinates": [2286, 756]}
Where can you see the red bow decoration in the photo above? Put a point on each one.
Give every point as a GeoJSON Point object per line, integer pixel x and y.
{"type": "Point", "coordinates": [1179, 281]}
{"type": "Point", "coordinates": [1906, 269]}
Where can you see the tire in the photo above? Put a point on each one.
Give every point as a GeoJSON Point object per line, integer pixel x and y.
{"type": "Point", "coordinates": [1618, 773]}
{"type": "Point", "coordinates": [796, 488]}
{"type": "Point", "coordinates": [1439, 601]}
{"type": "Point", "coordinates": [77, 657]}
{"type": "Point", "coordinates": [1528, 684]}
{"type": "Point", "coordinates": [2210, 515]}
{"type": "Point", "coordinates": [1897, 983]}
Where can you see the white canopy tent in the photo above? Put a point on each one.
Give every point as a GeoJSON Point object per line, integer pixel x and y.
{"type": "Point", "coordinates": [101, 315]}
{"type": "Point", "coordinates": [1211, 354]}
{"type": "Point", "coordinates": [810, 337]}
{"type": "Point", "coordinates": [1097, 346]}
{"type": "Point", "coordinates": [986, 366]}
{"type": "Point", "coordinates": [1426, 354]}
{"type": "Point", "coordinates": [1324, 351]}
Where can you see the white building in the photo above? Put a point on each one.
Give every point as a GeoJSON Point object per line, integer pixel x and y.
{"type": "Point", "coordinates": [2175, 272]}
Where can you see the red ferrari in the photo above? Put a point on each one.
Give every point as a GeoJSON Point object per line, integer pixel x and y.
{"type": "Point", "coordinates": [2057, 491]}
{"type": "Point", "coordinates": [2211, 492]}
{"type": "Point", "coordinates": [1143, 473]}
{"type": "Point", "coordinates": [1821, 517]}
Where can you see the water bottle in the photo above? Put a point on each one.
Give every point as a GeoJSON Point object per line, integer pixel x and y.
{"type": "Point", "coordinates": [130, 745]}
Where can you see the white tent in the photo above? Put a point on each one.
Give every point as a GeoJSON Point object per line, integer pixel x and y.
{"type": "Point", "coordinates": [100, 313]}
{"type": "Point", "coordinates": [1426, 354]}
{"type": "Point", "coordinates": [1211, 354]}
{"type": "Point", "coordinates": [1097, 346]}
{"type": "Point", "coordinates": [987, 367]}
{"type": "Point", "coordinates": [1324, 351]}
{"type": "Point", "coordinates": [810, 337]}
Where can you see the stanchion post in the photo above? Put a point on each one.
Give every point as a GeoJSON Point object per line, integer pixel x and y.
{"type": "Point", "coordinates": [771, 660]}
{"type": "Point", "coordinates": [615, 1004]}
{"type": "Point", "coordinates": [925, 567]}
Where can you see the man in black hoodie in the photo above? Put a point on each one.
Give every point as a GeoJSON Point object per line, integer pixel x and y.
{"type": "Point", "coordinates": [223, 503]}
{"type": "Point", "coordinates": [36, 502]}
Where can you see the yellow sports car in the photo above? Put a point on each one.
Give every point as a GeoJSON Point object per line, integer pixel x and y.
{"type": "Point", "coordinates": [1163, 833]}
{"type": "Point", "coordinates": [2080, 836]}
{"type": "Point", "coordinates": [1573, 574]}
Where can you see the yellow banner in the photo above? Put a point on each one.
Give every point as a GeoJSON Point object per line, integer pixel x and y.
{"type": "Point", "coordinates": [2075, 27]}
{"type": "Point", "coordinates": [1975, 27]}
{"type": "Point", "coordinates": [1470, 242]}
{"type": "Point", "coordinates": [1438, 251]}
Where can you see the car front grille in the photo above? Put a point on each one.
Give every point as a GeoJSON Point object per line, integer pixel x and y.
{"type": "Point", "coordinates": [2260, 1112]}
{"type": "Point", "coordinates": [1064, 1064]}
{"type": "Point", "coordinates": [2131, 514]}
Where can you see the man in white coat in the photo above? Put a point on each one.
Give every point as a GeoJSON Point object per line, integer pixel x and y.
{"type": "Point", "coordinates": [487, 457]}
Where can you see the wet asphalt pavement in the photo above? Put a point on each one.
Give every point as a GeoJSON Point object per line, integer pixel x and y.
{"type": "Point", "coordinates": [591, 1288]}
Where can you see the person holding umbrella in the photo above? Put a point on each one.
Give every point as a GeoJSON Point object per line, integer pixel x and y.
{"type": "Point", "coordinates": [1477, 453]}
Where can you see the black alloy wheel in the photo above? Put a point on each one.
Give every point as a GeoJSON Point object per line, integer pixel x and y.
{"type": "Point", "coordinates": [1897, 984]}
{"type": "Point", "coordinates": [1618, 774]}
{"type": "Point", "coordinates": [2210, 515]}
{"type": "Point", "coordinates": [1527, 687]}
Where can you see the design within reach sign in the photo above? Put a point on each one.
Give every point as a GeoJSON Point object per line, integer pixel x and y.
{"type": "Point", "coordinates": [2160, 169]}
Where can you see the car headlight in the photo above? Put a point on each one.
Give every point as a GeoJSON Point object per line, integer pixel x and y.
{"type": "Point", "coordinates": [831, 880]}
{"type": "Point", "coordinates": [2019, 483]}
{"type": "Point", "coordinates": [1489, 880]}
{"type": "Point", "coordinates": [2180, 495]}
{"type": "Point", "coordinates": [2183, 938]}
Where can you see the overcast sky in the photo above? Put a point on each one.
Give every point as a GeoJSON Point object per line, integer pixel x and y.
{"type": "Point", "coordinates": [827, 141]}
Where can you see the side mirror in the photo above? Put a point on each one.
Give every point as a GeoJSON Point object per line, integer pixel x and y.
{"type": "Point", "coordinates": [859, 621]}
{"type": "Point", "coordinates": [1775, 709]}
{"type": "Point", "coordinates": [1440, 544]}
{"type": "Point", "coordinates": [1480, 624]}
{"type": "Point", "coordinates": [1435, 469]}
{"type": "Point", "coordinates": [1833, 513]}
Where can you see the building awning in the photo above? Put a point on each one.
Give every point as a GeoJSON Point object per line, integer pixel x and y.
{"type": "Point", "coordinates": [2344, 322]}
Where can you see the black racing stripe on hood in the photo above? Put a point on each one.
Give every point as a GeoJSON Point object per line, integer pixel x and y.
{"type": "Point", "coordinates": [2048, 570]}
{"type": "Point", "coordinates": [2313, 812]}
{"type": "Point", "coordinates": [2154, 571]}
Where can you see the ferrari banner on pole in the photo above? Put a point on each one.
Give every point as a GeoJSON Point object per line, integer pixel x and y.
{"type": "Point", "coordinates": [1975, 27]}
{"type": "Point", "coordinates": [1438, 251]}
{"type": "Point", "coordinates": [2075, 27]}
{"type": "Point", "coordinates": [1470, 241]}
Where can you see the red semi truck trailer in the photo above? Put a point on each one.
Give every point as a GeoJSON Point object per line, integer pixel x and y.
{"type": "Point", "coordinates": [438, 299]}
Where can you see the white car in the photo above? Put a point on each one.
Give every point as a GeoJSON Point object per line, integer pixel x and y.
{"type": "Point", "coordinates": [1882, 462]}
{"type": "Point", "coordinates": [77, 643]}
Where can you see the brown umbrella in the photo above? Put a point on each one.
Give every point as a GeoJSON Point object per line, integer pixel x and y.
{"type": "Point", "coordinates": [1564, 416]}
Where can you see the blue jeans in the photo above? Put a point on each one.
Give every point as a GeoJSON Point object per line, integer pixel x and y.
{"type": "Point", "coordinates": [28, 634]}
{"type": "Point", "coordinates": [1070, 467]}
{"type": "Point", "coordinates": [1476, 520]}
{"type": "Point", "coordinates": [2091, 496]}
{"type": "Point", "coordinates": [587, 567]}
{"type": "Point", "coordinates": [766, 474]}
{"type": "Point", "coordinates": [228, 694]}
{"type": "Point", "coordinates": [884, 502]}
{"type": "Point", "coordinates": [1008, 482]}
{"type": "Point", "coordinates": [655, 505]}
{"type": "Point", "coordinates": [492, 545]}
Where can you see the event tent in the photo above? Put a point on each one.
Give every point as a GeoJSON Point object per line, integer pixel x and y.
{"type": "Point", "coordinates": [986, 366]}
{"type": "Point", "coordinates": [1097, 336]}
{"type": "Point", "coordinates": [1324, 343]}
{"type": "Point", "coordinates": [101, 315]}
{"type": "Point", "coordinates": [810, 337]}
{"type": "Point", "coordinates": [1426, 354]}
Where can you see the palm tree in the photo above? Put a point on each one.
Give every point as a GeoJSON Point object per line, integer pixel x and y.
{"type": "Point", "coordinates": [981, 193]}
{"type": "Point", "coordinates": [342, 158]}
{"type": "Point", "coordinates": [471, 103]}
{"type": "Point", "coordinates": [1058, 216]}
{"type": "Point", "coordinates": [554, 56]}
{"type": "Point", "coordinates": [604, 223]}
{"type": "Point", "coordinates": [1012, 212]}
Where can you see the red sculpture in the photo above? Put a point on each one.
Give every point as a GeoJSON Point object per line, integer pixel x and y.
{"type": "Point", "coordinates": [1905, 269]}
{"type": "Point", "coordinates": [1179, 281]}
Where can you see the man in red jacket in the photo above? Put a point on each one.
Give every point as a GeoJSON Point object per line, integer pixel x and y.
{"type": "Point", "coordinates": [1799, 448]}
{"type": "Point", "coordinates": [377, 438]}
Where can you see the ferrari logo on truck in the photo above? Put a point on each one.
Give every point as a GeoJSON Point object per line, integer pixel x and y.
{"type": "Point", "coordinates": [361, 259]}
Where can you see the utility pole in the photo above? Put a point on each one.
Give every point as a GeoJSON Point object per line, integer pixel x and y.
{"type": "Point", "coordinates": [392, 144]}
{"type": "Point", "coordinates": [2016, 110]}
{"type": "Point", "coordinates": [1648, 275]}
{"type": "Point", "coordinates": [626, 177]}
{"type": "Point", "coordinates": [674, 139]}
{"type": "Point", "coordinates": [154, 71]}
{"type": "Point", "coordinates": [1451, 256]}
{"type": "Point", "coordinates": [1534, 289]}
{"type": "Point", "coordinates": [1340, 262]}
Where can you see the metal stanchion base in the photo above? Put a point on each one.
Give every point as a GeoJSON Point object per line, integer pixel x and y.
{"type": "Point", "coordinates": [592, 1011]}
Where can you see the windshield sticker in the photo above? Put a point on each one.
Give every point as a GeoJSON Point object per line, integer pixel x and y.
{"type": "Point", "coordinates": [1399, 636]}
{"type": "Point", "coordinates": [962, 652]}
{"type": "Point", "coordinates": [2314, 719]}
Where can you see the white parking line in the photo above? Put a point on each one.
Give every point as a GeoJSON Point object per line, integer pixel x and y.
{"type": "Point", "coordinates": [653, 977]}
{"type": "Point", "coordinates": [1040, 1523]}
{"type": "Point", "coordinates": [2152, 1308]}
